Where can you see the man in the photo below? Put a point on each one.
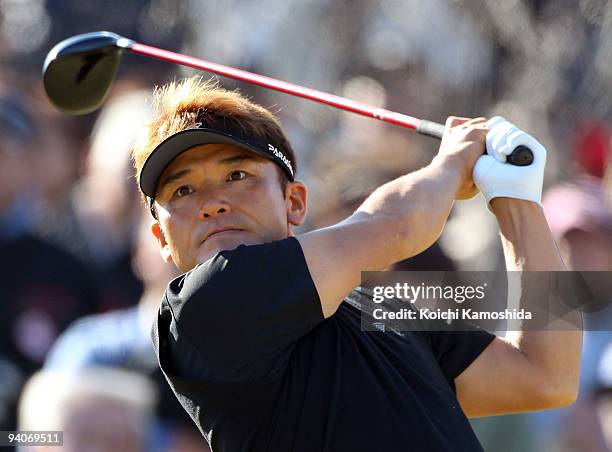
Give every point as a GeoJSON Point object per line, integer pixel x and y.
{"type": "Point", "coordinates": [121, 339]}
{"type": "Point", "coordinates": [99, 221]}
{"type": "Point", "coordinates": [96, 409]}
{"type": "Point", "coordinates": [255, 339]}
{"type": "Point", "coordinates": [44, 288]}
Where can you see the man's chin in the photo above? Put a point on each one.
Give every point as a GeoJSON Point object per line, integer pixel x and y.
{"type": "Point", "coordinates": [216, 245]}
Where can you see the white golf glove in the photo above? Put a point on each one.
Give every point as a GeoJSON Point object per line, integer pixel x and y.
{"type": "Point", "coordinates": [495, 178]}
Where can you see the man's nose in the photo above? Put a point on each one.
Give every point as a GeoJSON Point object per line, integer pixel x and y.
{"type": "Point", "coordinates": [213, 206]}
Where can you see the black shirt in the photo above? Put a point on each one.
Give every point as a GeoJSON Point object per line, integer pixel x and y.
{"type": "Point", "coordinates": [243, 342]}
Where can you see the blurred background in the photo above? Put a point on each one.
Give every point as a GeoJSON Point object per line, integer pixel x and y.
{"type": "Point", "coordinates": [82, 278]}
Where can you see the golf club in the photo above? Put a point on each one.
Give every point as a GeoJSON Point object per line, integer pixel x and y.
{"type": "Point", "coordinates": [79, 71]}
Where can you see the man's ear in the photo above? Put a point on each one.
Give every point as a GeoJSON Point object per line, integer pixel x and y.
{"type": "Point", "coordinates": [164, 248]}
{"type": "Point", "coordinates": [296, 195]}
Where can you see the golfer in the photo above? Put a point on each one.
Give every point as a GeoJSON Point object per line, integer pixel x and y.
{"type": "Point", "coordinates": [255, 339]}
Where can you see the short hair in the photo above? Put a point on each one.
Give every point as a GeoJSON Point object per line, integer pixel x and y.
{"type": "Point", "coordinates": [181, 105]}
{"type": "Point", "coordinates": [48, 394]}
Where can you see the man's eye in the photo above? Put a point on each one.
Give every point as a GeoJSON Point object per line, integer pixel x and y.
{"type": "Point", "coordinates": [236, 175]}
{"type": "Point", "coordinates": [183, 190]}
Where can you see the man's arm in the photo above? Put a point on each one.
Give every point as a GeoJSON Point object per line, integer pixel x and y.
{"type": "Point", "coordinates": [397, 221]}
{"type": "Point", "coordinates": [527, 370]}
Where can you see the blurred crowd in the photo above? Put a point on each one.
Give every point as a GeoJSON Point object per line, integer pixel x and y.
{"type": "Point", "coordinates": [80, 270]}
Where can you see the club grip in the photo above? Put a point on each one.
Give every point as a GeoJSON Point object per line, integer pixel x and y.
{"type": "Point", "coordinates": [431, 129]}
{"type": "Point", "coordinates": [521, 156]}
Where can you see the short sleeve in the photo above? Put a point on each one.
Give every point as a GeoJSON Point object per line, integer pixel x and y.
{"type": "Point", "coordinates": [456, 350]}
{"type": "Point", "coordinates": [237, 316]}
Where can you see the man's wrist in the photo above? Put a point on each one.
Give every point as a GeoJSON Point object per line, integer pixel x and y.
{"type": "Point", "coordinates": [503, 206]}
{"type": "Point", "coordinates": [451, 169]}
{"type": "Point", "coordinates": [526, 238]}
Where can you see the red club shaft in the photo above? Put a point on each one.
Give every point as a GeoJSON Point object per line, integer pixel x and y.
{"type": "Point", "coordinates": [279, 85]}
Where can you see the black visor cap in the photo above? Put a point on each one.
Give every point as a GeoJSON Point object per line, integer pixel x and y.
{"type": "Point", "coordinates": [181, 141]}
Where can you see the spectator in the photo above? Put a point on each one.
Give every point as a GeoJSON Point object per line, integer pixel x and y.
{"type": "Point", "coordinates": [45, 288]}
{"type": "Point", "coordinates": [97, 409]}
{"type": "Point", "coordinates": [121, 339]}
{"type": "Point", "coordinates": [580, 217]}
{"type": "Point", "coordinates": [100, 225]}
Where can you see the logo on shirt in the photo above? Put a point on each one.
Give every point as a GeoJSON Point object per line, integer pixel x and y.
{"type": "Point", "coordinates": [379, 326]}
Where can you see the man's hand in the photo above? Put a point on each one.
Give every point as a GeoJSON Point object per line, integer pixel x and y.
{"type": "Point", "coordinates": [498, 179]}
{"type": "Point", "coordinates": [462, 144]}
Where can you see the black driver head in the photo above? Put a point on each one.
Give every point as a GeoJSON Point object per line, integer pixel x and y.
{"type": "Point", "coordinates": [79, 71]}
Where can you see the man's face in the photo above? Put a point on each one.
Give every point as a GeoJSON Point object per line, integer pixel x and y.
{"type": "Point", "coordinates": [215, 197]}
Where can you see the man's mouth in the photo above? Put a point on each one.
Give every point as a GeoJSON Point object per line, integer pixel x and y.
{"type": "Point", "coordinates": [220, 232]}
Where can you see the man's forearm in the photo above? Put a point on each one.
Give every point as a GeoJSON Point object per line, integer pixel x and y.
{"type": "Point", "coordinates": [529, 247]}
{"type": "Point", "coordinates": [414, 208]}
